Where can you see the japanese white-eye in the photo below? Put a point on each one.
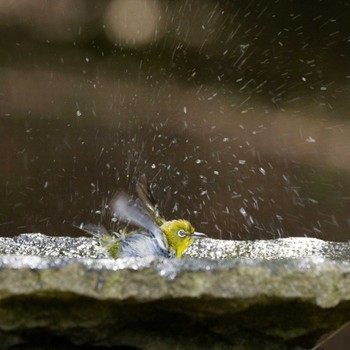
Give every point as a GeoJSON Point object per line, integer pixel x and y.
{"type": "Point", "coordinates": [155, 237]}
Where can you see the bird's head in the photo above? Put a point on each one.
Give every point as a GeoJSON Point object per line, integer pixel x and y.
{"type": "Point", "coordinates": [180, 234]}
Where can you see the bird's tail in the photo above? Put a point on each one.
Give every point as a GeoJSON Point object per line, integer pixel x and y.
{"type": "Point", "coordinates": [108, 241]}
{"type": "Point", "coordinates": [98, 231]}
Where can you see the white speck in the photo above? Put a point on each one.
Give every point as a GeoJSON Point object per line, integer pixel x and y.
{"type": "Point", "coordinates": [262, 170]}
{"type": "Point", "coordinates": [98, 212]}
{"type": "Point", "coordinates": [243, 47]}
{"type": "Point", "coordinates": [212, 96]}
{"type": "Point", "coordinates": [185, 109]}
{"type": "Point", "coordinates": [242, 161]}
{"type": "Point", "coordinates": [198, 161]}
{"type": "Point", "coordinates": [323, 88]}
{"type": "Point", "coordinates": [216, 172]}
{"type": "Point", "coordinates": [310, 139]}
{"type": "Point", "coordinates": [46, 184]}
{"type": "Point", "coordinates": [78, 113]}
{"type": "Point", "coordinates": [243, 212]}
{"type": "Point", "coordinates": [303, 79]}
{"type": "Point", "coordinates": [176, 207]}
{"type": "Point", "coordinates": [153, 166]}
{"type": "Point", "coordinates": [218, 228]}
{"type": "Point", "coordinates": [204, 192]}
{"type": "Point", "coordinates": [225, 139]}
{"type": "Point", "coordinates": [87, 59]}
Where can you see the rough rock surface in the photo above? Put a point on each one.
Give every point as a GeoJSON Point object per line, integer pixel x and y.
{"type": "Point", "coordinates": [293, 247]}
{"type": "Point", "coordinates": [55, 291]}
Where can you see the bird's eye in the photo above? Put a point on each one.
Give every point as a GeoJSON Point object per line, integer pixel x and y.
{"type": "Point", "coordinates": [181, 233]}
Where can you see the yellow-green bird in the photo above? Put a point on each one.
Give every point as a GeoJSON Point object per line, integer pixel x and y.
{"type": "Point", "coordinates": [155, 237]}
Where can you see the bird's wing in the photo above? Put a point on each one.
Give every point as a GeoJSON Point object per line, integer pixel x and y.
{"type": "Point", "coordinates": [129, 210]}
{"type": "Point", "coordinates": [145, 194]}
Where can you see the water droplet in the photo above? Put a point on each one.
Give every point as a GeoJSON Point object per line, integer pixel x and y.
{"type": "Point", "coordinates": [262, 170]}
{"type": "Point", "coordinates": [243, 212]}
{"type": "Point", "coordinates": [310, 140]}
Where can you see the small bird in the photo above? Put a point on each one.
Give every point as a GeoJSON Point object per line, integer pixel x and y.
{"type": "Point", "coordinates": [154, 237]}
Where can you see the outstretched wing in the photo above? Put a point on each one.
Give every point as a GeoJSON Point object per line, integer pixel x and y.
{"type": "Point", "coordinates": [128, 210]}
{"type": "Point", "coordinates": [144, 192]}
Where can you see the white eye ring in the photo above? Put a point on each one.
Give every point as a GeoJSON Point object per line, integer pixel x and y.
{"type": "Point", "coordinates": [181, 233]}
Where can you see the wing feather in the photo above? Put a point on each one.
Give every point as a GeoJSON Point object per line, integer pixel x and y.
{"type": "Point", "coordinates": [129, 210]}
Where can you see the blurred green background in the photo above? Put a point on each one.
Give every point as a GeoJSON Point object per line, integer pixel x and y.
{"type": "Point", "coordinates": [238, 112]}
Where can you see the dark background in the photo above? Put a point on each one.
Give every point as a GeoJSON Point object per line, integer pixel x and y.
{"type": "Point", "coordinates": [238, 112]}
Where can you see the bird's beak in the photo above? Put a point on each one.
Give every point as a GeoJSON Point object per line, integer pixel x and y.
{"type": "Point", "coordinates": [197, 235]}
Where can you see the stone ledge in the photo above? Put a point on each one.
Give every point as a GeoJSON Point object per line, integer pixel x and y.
{"type": "Point", "coordinates": [320, 281]}
{"type": "Point", "coordinates": [271, 302]}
